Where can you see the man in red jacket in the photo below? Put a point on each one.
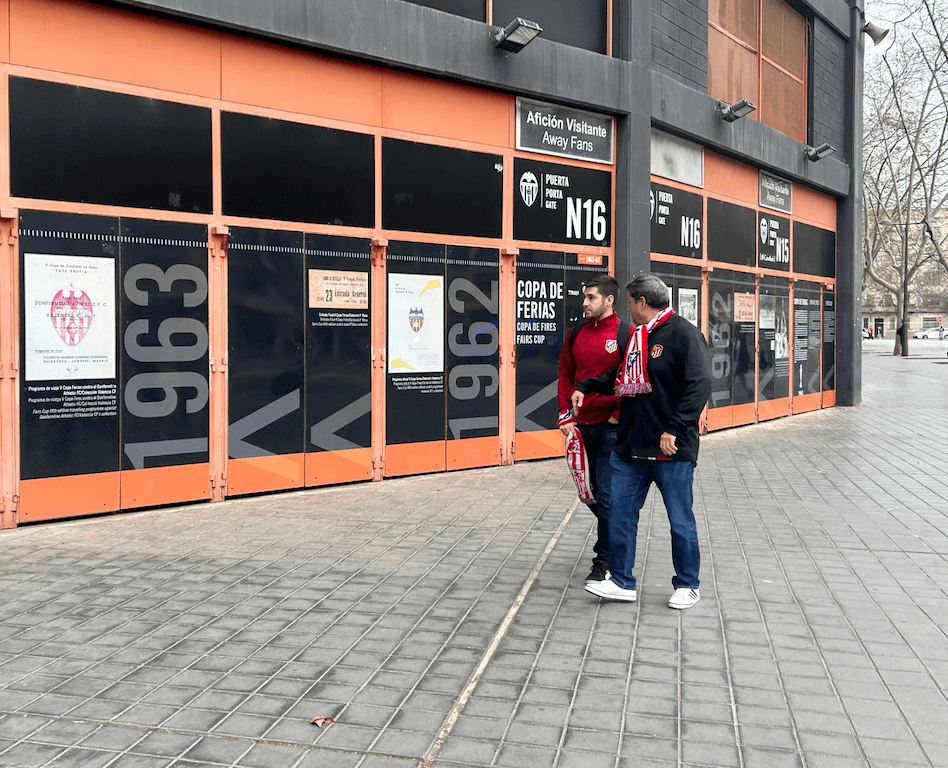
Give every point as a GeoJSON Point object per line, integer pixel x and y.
{"type": "Point", "coordinates": [589, 351]}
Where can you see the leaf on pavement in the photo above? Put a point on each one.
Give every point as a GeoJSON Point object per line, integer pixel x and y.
{"type": "Point", "coordinates": [321, 721]}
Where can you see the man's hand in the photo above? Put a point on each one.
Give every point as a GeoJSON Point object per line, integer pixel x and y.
{"type": "Point", "coordinates": [566, 429]}
{"type": "Point", "coordinates": [577, 400]}
{"type": "Point", "coordinates": [667, 444]}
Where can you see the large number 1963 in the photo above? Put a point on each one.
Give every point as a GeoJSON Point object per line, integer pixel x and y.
{"type": "Point", "coordinates": [156, 394]}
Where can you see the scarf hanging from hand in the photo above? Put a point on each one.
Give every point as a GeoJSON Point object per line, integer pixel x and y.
{"type": "Point", "coordinates": [632, 378]}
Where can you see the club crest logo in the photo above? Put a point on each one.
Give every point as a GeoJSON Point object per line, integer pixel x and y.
{"type": "Point", "coordinates": [611, 346]}
{"type": "Point", "coordinates": [764, 229]}
{"type": "Point", "coordinates": [529, 188]}
{"type": "Point", "coordinates": [657, 351]}
{"type": "Point", "coordinates": [416, 318]}
{"type": "Point", "coordinates": [71, 316]}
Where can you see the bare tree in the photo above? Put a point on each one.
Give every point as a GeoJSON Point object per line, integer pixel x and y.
{"type": "Point", "coordinates": [906, 151]}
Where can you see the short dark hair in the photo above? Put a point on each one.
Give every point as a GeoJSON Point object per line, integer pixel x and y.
{"type": "Point", "coordinates": [607, 285]}
{"type": "Point", "coordinates": [649, 287]}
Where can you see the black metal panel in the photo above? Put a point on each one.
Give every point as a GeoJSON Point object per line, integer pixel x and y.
{"type": "Point", "coordinates": [90, 146]}
{"type": "Point", "coordinates": [807, 341]}
{"type": "Point", "coordinates": [829, 340]}
{"type": "Point", "coordinates": [274, 169]}
{"type": "Point", "coordinates": [814, 250]}
{"type": "Point", "coordinates": [732, 233]}
{"type": "Point", "coordinates": [540, 313]}
{"type": "Point", "coordinates": [773, 241]}
{"type": "Point", "coordinates": [473, 336]}
{"type": "Point", "coordinates": [415, 391]}
{"type": "Point", "coordinates": [677, 222]}
{"type": "Point", "coordinates": [743, 339]}
{"type": "Point", "coordinates": [583, 24]}
{"type": "Point", "coordinates": [773, 373]}
{"type": "Point", "coordinates": [339, 343]}
{"type": "Point", "coordinates": [69, 422]}
{"type": "Point", "coordinates": [555, 203]}
{"type": "Point", "coordinates": [165, 363]}
{"type": "Point", "coordinates": [265, 342]}
{"type": "Point", "coordinates": [472, 9]}
{"type": "Point", "coordinates": [721, 337]}
{"type": "Point", "coordinates": [428, 188]}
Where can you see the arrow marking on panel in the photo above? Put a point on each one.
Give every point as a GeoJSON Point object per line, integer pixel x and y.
{"type": "Point", "coordinates": [529, 405]}
{"type": "Point", "coordinates": [237, 445]}
{"type": "Point", "coordinates": [323, 433]}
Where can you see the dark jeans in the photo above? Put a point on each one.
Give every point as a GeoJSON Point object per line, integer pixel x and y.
{"type": "Point", "coordinates": [599, 440]}
{"type": "Point", "coordinates": [630, 483]}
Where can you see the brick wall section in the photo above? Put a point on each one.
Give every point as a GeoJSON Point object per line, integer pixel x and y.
{"type": "Point", "coordinates": [827, 91]}
{"type": "Point", "coordinates": [680, 40]}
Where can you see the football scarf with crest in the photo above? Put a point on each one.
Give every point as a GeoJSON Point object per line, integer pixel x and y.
{"type": "Point", "coordinates": [632, 376]}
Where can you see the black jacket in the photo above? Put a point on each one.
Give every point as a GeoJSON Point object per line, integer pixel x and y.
{"type": "Point", "coordinates": [680, 376]}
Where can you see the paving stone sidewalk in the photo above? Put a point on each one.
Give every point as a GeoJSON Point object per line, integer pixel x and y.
{"type": "Point", "coordinates": [440, 620]}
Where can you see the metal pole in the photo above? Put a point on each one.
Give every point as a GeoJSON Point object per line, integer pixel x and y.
{"type": "Point", "coordinates": [905, 290]}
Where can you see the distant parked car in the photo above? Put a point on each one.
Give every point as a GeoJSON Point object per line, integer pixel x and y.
{"type": "Point", "coordinates": [931, 333]}
{"type": "Point", "coordinates": [866, 333]}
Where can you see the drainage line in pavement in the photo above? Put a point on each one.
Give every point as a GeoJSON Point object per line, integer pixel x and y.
{"type": "Point", "coordinates": [459, 705]}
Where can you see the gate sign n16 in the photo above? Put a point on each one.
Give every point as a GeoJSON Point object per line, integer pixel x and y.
{"type": "Point", "coordinates": [562, 204]}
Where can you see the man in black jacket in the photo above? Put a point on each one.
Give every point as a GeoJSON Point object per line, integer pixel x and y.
{"type": "Point", "coordinates": [665, 382]}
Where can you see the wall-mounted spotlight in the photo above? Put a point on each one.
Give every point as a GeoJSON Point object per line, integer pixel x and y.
{"type": "Point", "coordinates": [516, 35]}
{"type": "Point", "coordinates": [875, 32]}
{"type": "Point", "coordinates": [735, 111]}
{"type": "Point", "coordinates": [818, 153]}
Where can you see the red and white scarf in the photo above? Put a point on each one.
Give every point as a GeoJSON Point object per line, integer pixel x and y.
{"type": "Point", "coordinates": [632, 378]}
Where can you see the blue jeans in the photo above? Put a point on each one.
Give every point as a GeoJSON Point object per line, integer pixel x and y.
{"type": "Point", "coordinates": [630, 483]}
{"type": "Point", "coordinates": [599, 440]}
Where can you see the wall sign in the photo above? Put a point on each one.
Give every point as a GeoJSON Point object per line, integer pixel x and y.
{"type": "Point", "coordinates": [555, 130]}
{"type": "Point", "coordinates": [773, 244]}
{"type": "Point", "coordinates": [776, 193]}
{"type": "Point", "coordinates": [677, 221]}
{"type": "Point", "coordinates": [562, 204]}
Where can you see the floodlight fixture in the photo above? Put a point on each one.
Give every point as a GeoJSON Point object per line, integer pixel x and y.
{"type": "Point", "coordinates": [814, 154]}
{"type": "Point", "coordinates": [875, 32]}
{"type": "Point", "coordinates": [735, 111]}
{"type": "Point", "coordinates": [516, 35]}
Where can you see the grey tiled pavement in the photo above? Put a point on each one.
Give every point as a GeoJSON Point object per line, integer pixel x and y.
{"type": "Point", "coordinates": [441, 620]}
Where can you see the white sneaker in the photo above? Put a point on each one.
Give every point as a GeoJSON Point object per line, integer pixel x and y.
{"type": "Point", "coordinates": [609, 590]}
{"type": "Point", "coordinates": [684, 597]}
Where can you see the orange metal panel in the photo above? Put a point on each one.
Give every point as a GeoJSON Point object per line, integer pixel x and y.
{"type": "Point", "coordinates": [51, 498]}
{"type": "Point", "coordinates": [732, 69]}
{"type": "Point", "coordinates": [816, 207]}
{"type": "Point", "coordinates": [473, 452]}
{"type": "Point", "coordinates": [9, 393]}
{"type": "Point", "coordinates": [829, 398]}
{"type": "Point", "coordinates": [436, 108]}
{"type": "Point", "coordinates": [131, 48]}
{"type": "Point", "coordinates": [4, 30]}
{"type": "Point", "coordinates": [217, 350]}
{"type": "Point", "coordinates": [744, 414]}
{"type": "Point", "coordinates": [265, 75]}
{"type": "Point", "coordinates": [728, 179]}
{"type": "Point", "coordinates": [773, 409]}
{"type": "Point", "coordinates": [164, 485]}
{"type": "Point", "coordinates": [804, 403]}
{"type": "Point", "coordinates": [330, 467]}
{"type": "Point", "coordinates": [720, 418]}
{"type": "Point", "coordinates": [414, 458]}
{"type": "Point", "coordinates": [540, 445]}
{"type": "Point", "coordinates": [265, 473]}
{"type": "Point", "coordinates": [785, 104]}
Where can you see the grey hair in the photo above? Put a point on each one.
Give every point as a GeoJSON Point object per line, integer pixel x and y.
{"type": "Point", "coordinates": [651, 288]}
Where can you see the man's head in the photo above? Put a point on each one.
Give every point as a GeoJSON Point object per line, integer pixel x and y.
{"type": "Point", "coordinates": [599, 297]}
{"type": "Point", "coordinates": [647, 295]}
